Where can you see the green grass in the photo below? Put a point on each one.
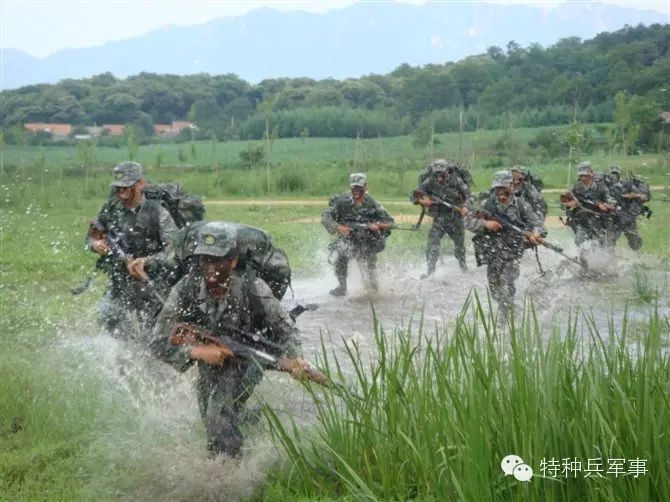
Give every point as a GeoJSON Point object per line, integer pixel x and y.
{"type": "Point", "coordinates": [310, 167]}
{"type": "Point", "coordinates": [62, 405]}
{"type": "Point", "coordinates": [433, 416]}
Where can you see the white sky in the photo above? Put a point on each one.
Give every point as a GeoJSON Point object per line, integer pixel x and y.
{"type": "Point", "coordinates": [41, 27]}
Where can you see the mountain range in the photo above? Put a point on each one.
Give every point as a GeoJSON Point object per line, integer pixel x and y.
{"type": "Point", "coordinates": [352, 41]}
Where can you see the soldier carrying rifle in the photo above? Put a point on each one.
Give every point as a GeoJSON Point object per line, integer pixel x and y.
{"type": "Point", "coordinates": [130, 234]}
{"type": "Point", "coordinates": [630, 194]}
{"type": "Point", "coordinates": [588, 207]}
{"type": "Point", "coordinates": [233, 327]}
{"type": "Point", "coordinates": [362, 226]}
{"type": "Point", "coordinates": [445, 196]}
{"type": "Point", "coordinates": [505, 226]}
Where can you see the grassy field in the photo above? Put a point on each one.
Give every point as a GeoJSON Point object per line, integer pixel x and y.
{"type": "Point", "coordinates": [310, 167]}
{"type": "Point", "coordinates": [54, 405]}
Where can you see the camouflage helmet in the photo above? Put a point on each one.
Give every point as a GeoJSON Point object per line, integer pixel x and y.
{"type": "Point", "coordinates": [439, 166]}
{"type": "Point", "coordinates": [126, 174]}
{"type": "Point", "coordinates": [520, 169]}
{"type": "Point", "coordinates": [585, 168]}
{"type": "Point", "coordinates": [502, 179]}
{"type": "Point", "coordinates": [614, 169]}
{"type": "Point", "coordinates": [357, 180]}
{"type": "Point", "coordinates": [216, 238]}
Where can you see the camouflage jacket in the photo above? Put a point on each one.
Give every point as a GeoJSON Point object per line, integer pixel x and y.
{"type": "Point", "coordinates": [534, 198]}
{"type": "Point", "coordinates": [142, 231]}
{"type": "Point", "coordinates": [454, 191]}
{"type": "Point", "coordinates": [597, 192]}
{"type": "Point", "coordinates": [342, 210]}
{"type": "Point", "coordinates": [631, 207]}
{"type": "Point", "coordinates": [249, 305]}
{"type": "Point", "coordinates": [507, 243]}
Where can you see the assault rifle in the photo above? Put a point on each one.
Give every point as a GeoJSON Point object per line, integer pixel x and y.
{"type": "Point", "coordinates": [116, 252]}
{"type": "Point", "coordinates": [418, 194]}
{"type": "Point", "coordinates": [515, 227]}
{"type": "Point", "coordinates": [355, 226]}
{"type": "Point", "coordinates": [588, 205]}
{"type": "Point", "coordinates": [255, 348]}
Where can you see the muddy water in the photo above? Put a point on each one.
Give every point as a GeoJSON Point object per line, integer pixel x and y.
{"type": "Point", "coordinates": [152, 435]}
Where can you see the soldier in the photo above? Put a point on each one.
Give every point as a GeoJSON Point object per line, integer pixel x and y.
{"type": "Point", "coordinates": [500, 246]}
{"type": "Point", "coordinates": [444, 185]}
{"type": "Point", "coordinates": [130, 234]}
{"type": "Point", "coordinates": [630, 195]}
{"type": "Point", "coordinates": [588, 206]}
{"type": "Point", "coordinates": [362, 226]}
{"type": "Point", "coordinates": [525, 189]}
{"type": "Point", "coordinates": [462, 171]}
{"type": "Point", "coordinates": [216, 297]}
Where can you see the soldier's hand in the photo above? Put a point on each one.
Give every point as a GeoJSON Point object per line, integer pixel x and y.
{"type": "Point", "coordinates": [211, 354]}
{"type": "Point", "coordinates": [464, 211]}
{"type": "Point", "coordinates": [374, 227]}
{"type": "Point", "coordinates": [136, 268]}
{"type": "Point", "coordinates": [534, 238]}
{"type": "Point", "coordinates": [572, 203]}
{"type": "Point", "coordinates": [100, 246]}
{"type": "Point", "coordinates": [343, 230]}
{"type": "Point", "coordinates": [492, 225]}
{"type": "Point", "coordinates": [426, 202]}
{"type": "Point", "coordinates": [604, 207]}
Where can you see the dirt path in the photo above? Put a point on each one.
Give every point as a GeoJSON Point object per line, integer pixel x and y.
{"type": "Point", "coordinates": [323, 202]}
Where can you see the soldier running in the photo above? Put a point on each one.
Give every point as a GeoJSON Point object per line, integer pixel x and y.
{"type": "Point", "coordinates": [362, 226]}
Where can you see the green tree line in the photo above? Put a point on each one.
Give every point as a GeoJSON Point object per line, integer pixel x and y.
{"type": "Point", "coordinates": [514, 86]}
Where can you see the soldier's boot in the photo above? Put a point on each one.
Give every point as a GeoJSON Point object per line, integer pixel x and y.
{"type": "Point", "coordinates": [373, 283]}
{"type": "Point", "coordinates": [429, 272]}
{"type": "Point", "coordinates": [341, 290]}
{"type": "Point", "coordinates": [463, 265]}
{"type": "Point", "coordinates": [341, 267]}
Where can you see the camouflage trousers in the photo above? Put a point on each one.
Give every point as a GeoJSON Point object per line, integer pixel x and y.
{"type": "Point", "coordinates": [118, 310]}
{"type": "Point", "coordinates": [502, 275]}
{"type": "Point", "coordinates": [629, 229]}
{"type": "Point", "coordinates": [222, 394]}
{"type": "Point", "coordinates": [454, 229]}
{"type": "Point", "coordinates": [366, 256]}
{"type": "Point", "coordinates": [595, 231]}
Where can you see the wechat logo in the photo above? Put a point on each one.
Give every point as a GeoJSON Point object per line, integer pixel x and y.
{"type": "Point", "coordinates": [513, 465]}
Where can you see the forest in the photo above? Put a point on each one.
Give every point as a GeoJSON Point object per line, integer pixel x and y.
{"type": "Point", "coordinates": [572, 81]}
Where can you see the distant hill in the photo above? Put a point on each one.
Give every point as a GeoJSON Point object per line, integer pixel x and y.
{"type": "Point", "coordinates": [349, 42]}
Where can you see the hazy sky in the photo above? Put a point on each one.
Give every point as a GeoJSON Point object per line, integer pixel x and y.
{"type": "Point", "coordinates": [41, 27]}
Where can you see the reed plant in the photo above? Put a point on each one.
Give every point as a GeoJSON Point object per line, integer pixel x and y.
{"type": "Point", "coordinates": [433, 415]}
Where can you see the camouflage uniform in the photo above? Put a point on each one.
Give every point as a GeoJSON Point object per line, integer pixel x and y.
{"type": "Point", "coordinates": [361, 244]}
{"type": "Point", "coordinates": [502, 250]}
{"type": "Point", "coordinates": [142, 231]}
{"type": "Point", "coordinates": [531, 195]}
{"type": "Point", "coordinates": [255, 248]}
{"type": "Point", "coordinates": [445, 221]}
{"type": "Point", "coordinates": [625, 220]}
{"type": "Point", "coordinates": [588, 225]}
{"type": "Point", "coordinates": [462, 171]}
{"type": "Point", "coordinates": [223, 389]}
